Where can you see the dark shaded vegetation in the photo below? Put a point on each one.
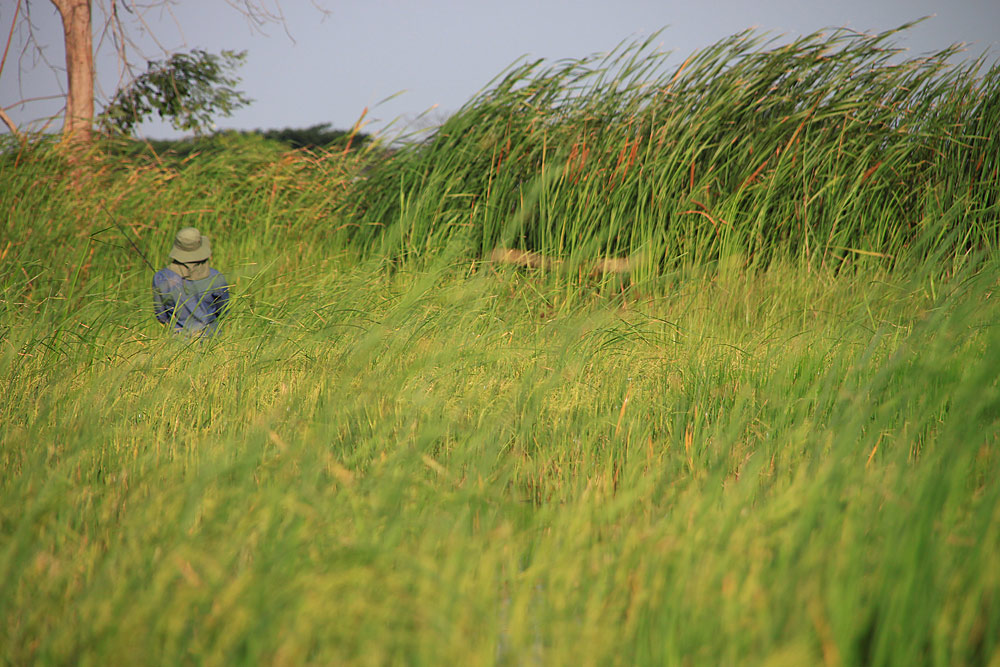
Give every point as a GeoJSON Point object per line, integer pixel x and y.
{"type": "Point", "coordinates": [316, 138]}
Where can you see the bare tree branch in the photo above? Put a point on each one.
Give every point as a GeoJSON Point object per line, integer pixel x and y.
{"type": "Point", "coordinates": [10, 124]}
{"type": "Point", "coordinates": [321, 9]}
{"type": "Point", "coordinates": [38, 98]}
{"type": "Point", "coordinates": [13, 23]}
{"type": "Point", "coordinates": [33, 46]}
{"type": "Point", "coordinates": [7, 120]}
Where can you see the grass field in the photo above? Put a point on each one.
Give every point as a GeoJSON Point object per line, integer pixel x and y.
{"type": "Point", "coordinates": [774, 442]}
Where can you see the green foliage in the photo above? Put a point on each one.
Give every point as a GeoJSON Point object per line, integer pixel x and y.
{"type": "Point", "coordinates": [316, 137]}
{"type": "Point", "coordinates": [820, 149]}
{"type": "Point", "coordinates": [188, 88]}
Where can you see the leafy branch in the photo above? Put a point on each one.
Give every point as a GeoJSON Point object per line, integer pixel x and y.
{"type": "Point", "coordinates": [188, 88]}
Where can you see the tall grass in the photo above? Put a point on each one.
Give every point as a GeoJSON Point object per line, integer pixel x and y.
{"type": "Point", "coordinates": [435, 468]}
{"type": "Point", "coordinates": [771, 444]}
{"type": "Point", "coordinates": [826, 147]}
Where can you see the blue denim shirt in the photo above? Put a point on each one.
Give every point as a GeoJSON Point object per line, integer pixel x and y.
{"type": "Point", "coordinates": [192, 306]}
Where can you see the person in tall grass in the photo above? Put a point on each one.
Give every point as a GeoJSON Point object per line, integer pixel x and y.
{"type": "Point", "coordinates": [190, 296]}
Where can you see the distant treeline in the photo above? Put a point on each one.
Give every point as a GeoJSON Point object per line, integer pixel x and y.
{"type": "Point", "coordinates": [320, 137]}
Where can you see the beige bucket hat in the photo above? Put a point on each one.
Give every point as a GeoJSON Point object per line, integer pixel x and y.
{"type": "Point", "coordinates": [190, 246]}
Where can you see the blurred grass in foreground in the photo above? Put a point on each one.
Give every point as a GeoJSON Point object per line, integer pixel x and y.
{"type": "Point", "coordinates": [445, 466]}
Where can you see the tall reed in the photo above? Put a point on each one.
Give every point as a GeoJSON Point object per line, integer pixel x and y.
{"type": "Point", "coordinates": [831, 146]}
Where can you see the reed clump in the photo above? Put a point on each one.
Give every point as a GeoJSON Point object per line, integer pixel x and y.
{"type": "Point", "coordinates": [829, 147]}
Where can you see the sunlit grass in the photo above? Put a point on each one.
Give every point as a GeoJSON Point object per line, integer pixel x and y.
{"type": "Point", "coordinates": [438, 467]}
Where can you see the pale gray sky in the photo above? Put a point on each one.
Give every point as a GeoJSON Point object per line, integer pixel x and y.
{"type": "Point", "coordinates": [328, 67]}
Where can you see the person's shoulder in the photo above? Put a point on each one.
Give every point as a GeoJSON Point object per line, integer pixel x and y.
{"type": "Point", "coordinates": [166, 277]}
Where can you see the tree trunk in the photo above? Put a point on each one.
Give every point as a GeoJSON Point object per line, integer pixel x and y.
{"type": "Point", "coordinates": [78, 34]}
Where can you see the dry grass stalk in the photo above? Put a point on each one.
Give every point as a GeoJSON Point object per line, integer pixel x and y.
{"type": "Point", "coordinates": [534, 260]}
